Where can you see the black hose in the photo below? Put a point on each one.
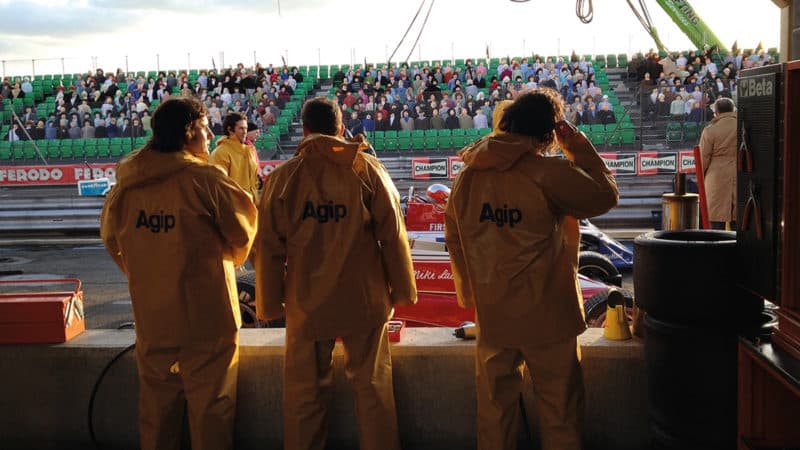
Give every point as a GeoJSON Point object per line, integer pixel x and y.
{"type": "Point", "coordinates": [96, 388]}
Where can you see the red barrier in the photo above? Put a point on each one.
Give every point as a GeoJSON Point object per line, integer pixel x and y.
{"type": "Point", "coordinates": [701, 189]}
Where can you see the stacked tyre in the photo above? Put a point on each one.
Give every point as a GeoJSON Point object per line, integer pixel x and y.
{"type": "Point", "coordinates": [685, 283]}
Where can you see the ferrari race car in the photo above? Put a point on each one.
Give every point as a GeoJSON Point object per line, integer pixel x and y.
{"type": "Point", "coordinates": [437, 305]}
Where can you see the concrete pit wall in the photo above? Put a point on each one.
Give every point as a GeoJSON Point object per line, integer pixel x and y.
{"type": "Point", "coordinates": [45, 392]}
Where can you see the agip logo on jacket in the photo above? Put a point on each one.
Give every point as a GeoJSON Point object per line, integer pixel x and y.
{"type": "Point", "coordinates": [155, 222]}
{"type": "Point", "coordinates": [324, 212]}
{"type": "Point", "coordinates": [500, 216]}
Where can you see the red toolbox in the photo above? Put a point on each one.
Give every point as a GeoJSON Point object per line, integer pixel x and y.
{"type": "Point", "coordinates": [47, 316]}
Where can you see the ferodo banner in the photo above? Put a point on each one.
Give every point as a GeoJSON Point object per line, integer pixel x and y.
{"type": "Point", "coordinates": [456, 164]}
{"type": "Point", "coordinates": [70, 174]}
{"type": "Point", "coordinates": [65, 174]}
{"type": "Point", "coordinates": [652, 163]}
{"type": "Point", "coordinates": [686, 161]}
{"type": "Point", "coordinates": [620, 163]}
{"type": "Point", "coordinates": [429, 168]}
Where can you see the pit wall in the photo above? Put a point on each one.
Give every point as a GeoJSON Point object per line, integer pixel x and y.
{"type": "Point", "coordinates": [45, 391]}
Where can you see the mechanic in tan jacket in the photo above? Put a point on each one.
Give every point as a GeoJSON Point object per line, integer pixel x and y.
{"type": "Point", "coordinates": [512, 234]}
{"type": "Point", "coordinates": [235, 157]}
{"type": "Point", "coordinates": [177, 227]}
{"type": "Point", "coordinates": [333, 254]}
{"type": "Point", "coordinates": [718, 155]}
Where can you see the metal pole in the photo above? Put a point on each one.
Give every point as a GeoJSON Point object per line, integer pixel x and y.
{"type": "Point", "coordinates": [188, 61]}
{"type": "Point", "coordinates": [63, 72]}
{"type": "Point", "coordinates": [221, 62]}
{"type": "Point", "coordinates": [558, 48]}
{"type": "Point", "coordinates": [523, 48]}
{"type": "Point", "coordinates": [255, 61]}
{"type": "Point", "coordinates": [419, 52]}
{"type": "Point", "coordinates": [33, 67]}
{"type": "Point", "coordinates": [452, 52]}
{"type": "Point", "coordinates": [319, 58]}
{"type": "Point", "coordinates": [158, 62]}
{"type": "Point", "coordinates": [127, 69]}
{"type": "Point", "coordinates": [4, 68]}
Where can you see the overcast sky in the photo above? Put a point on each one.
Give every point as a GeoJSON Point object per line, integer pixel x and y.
{"type": "Point", "coordinates": [192, 33]}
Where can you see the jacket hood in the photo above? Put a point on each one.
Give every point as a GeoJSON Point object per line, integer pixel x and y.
{"type": "Point", "coordinates": [336, 148]}
{"type": "Point", "coordinates": [498, 152]}
{"type": "Point", "coordinates": [144, 165]}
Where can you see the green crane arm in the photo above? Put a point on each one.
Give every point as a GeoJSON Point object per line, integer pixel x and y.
{"type": "Point", "coordinates": [690, 23]}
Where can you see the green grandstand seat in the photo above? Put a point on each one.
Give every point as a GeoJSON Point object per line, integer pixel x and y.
{"type": "Point", "coordinates": [433, 132]}
{"type": "Point", "coordinates": [66, 152]}
{"type": "Point", "coordinates": [5, 152]}
{"type": "Point", "coordinates": [431, 142]}
{"type": "Point", "coordinates": [390, 133]}
{"type": "Point", "coordinates": [17, 152]}
{"type": "Point", "coordinates": [379, 144]}
{"type": "Point", "coordinates": [90, 151]}
{"type": "Point", "coordinates": [403, 144]}
{"type": "Point", "coordinates": [473, 132]}
{"type": "Point", "coordinates": [614, 138]}
{"type": "Point", "coordinates": [598, 128]}
{"type": "Point", "coordinates": [598, 137]}
{"type": "Point", "coordinates": [690, 131]}
{"type": "Point", "coordinates": [459, 132]}
{"type": "Point", "coordinates": [390, 143]}
{"type": "Point", "coordinates": [445, 138]}
{"type": "Point", "coordinates": [622, 60]}
{"type": "Point", "coordinates": [404, 133]}
{"type": "Point", "coordinates": [484, 131]}
{"type": "Point", "coordinates": [418, 133]}
{"type": "Point", "coordinates": [417, 143]}
{"type": "Point", "coordinates": [459, 141]}
{"type": "Point", "coordinates": [628, 135]}
{"type": "Point", "coordinates": [103, 150]}
{"type": "Point", "coordinates": [611, 61]}
{"type": "Point", "coordinates": [674, 132]}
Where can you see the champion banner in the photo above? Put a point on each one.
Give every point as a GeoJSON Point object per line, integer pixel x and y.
{"type": "Point", "coordinates": [652, 163]}
{"type": "Point", "coordinates": [686, 160]}
{"type": "Point", "coordinates": [429, 168]}
{"type": "Point", "coordinates": [70, 174]}
{"type": "Point", "coordinates": [456, 164]}
{"type": "Point", "coordinates": [620, 163]}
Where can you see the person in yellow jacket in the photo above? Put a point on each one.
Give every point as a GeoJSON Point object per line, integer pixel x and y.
{"type": "Point", "coordinates": [235, 157]}
{"type": "Point", "coordinates": [177, 227]}
{"type": "Point", "coordinates": [513, 238]}
{"type": "Point", "coordinates": [333, 255]}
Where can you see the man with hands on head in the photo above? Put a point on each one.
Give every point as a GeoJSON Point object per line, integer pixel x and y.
{"type": "Point", "coordinates": [512, 232]}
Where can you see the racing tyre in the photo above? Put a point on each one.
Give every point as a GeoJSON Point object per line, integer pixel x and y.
{"type": "Point", "coordinates": [595, 309]}
{"type": "Point", "coordinates": [688, 277]}
{"type": "Point", "coordinates": [246, 288]}
{"type": "Point", "coordinates": [598, 267]}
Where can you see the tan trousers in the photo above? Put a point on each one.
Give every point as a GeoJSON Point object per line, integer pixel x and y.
{"type": "Point", "coordinates": [204, 376]}
{"type": "Point", "coordinates": [558, 393]}
{"type": "Point", "coordinates": [308, 380]}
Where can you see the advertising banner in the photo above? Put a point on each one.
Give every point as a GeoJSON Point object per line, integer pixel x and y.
{"type": "Point", "coordinates": [456, 164]}
{"type": "Point", "coordinates": [429, 168]}
{"type": "Point", "coordinates": [686, 161]}
{"type": "Point", "coordinates": [653, 163]}
{"type": "Point", "coordinates": [71, 174]}
{"type": "Point", "coordinates": [620, 163]}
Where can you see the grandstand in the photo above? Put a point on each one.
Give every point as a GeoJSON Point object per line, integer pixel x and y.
{"type": "Point", "coordinates": [636, 125]}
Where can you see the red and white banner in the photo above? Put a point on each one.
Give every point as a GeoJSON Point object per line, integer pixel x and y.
{"type": "Point", "coordinates": [456, 164]}
{"type": "Point", "coordinates": [686, 161]}
{"type": "Point", "coordinates": [269, 166]}
{"type": "Point", "coordinates": [620, 163]}
{"type": "Point", "coordinates": [70, 174]}
{"type": "Point", "coordinates": [429, 168]}
{"type": "Point", "coordinates": [434, 276]}
{"type": "Point", "coordinates": [652, 163]}
{"type": "Point", "coordinates": [64, 174]}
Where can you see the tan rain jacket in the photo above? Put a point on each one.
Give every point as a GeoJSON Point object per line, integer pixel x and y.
{"type": "Point", "coordinates": [177, 227]}
{"type": "Point", "coordinates": [238, 161]}
{"type": "Point", "coordinates": [332, 214]}
{"type": "Point", "coordinates": [513, 237]}
{"type": "Point", "coordinates": [718, 154]}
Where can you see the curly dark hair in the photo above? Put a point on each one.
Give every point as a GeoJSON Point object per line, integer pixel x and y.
{"type": "Point", "coordinates": [172, 123]}
{"type": "Point", "coordinates": [534, 113]}
{"type": "Point", "coordinates": [322, 115]}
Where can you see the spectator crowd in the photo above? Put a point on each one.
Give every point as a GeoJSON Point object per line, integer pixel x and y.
{"type": "Point", "coordinates": [100, 104]}
{"type": "Point", "coordinates": [684, 86]}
